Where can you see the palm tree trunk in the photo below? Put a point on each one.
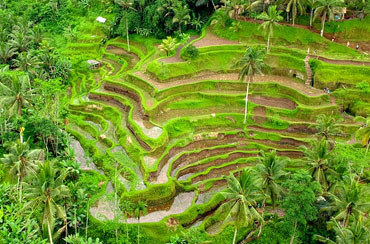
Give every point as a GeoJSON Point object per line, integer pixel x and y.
{"type": "Point", "coordinates": [292, 239]}
{"type": "Point", "coordinates": [138, 230]}
{"type": "Point", "coordinates": [180, 27]}
{"type": "Point", "coordinates": [19, 188]}
{"type": "Point", "coordinates": [268, 43]}
{"type": "Point", "coordinates": [128, 39]}
{"type": "Point", "coordinates": [234, 239]}
{"type": "Point", "coordinates": [87, 218]}
{"type": "Point", "coordinates": [311, 16]}
{"type": "Point", "coordinates": [213, 4]}
{"type": "Point", "coordinates": [246, 101]}
{"type": "Point", "coordinates": [49, 231]}
{"type": "Point", "coordinates": [323, 23]}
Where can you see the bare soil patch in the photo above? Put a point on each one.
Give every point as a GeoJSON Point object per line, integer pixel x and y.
{"type": "Point", "coordinates": [213, 40]}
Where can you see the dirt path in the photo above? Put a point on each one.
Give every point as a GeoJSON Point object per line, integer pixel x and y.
{"type": "Point", "coordinates": [340, 62]}
{"type": "Point", "coordinates": [213, 40]}
{"type": "Point", "coordinates": [285, 81]}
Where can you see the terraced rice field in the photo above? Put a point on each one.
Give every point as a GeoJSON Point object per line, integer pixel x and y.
{"type": "Point", "coordinates": [174, 139]}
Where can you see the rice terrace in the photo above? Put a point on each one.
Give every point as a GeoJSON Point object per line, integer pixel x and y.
{"type": "Point", "coordinates": [184, 121]}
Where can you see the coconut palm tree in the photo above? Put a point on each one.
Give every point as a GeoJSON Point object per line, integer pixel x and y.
{"type": "Point", "coordinates": [271, 170]}
{"type": "Point", "coordinates": [241, 197]}
{"type": "Point", "coordinates": [252, 63]}
{"type": "Point", "coordinates": [349, 200]}
{"type": "Point", "coordinates": [294, 6]}
{"type": "Point", "coordinates": [364, 132]}
{"type": "Point", "coordinates": [127, 208]}
{"type": "Point", "coordinates": [326, 126]}
{"type": "Point", "coordinates": [271, 19]}
{"type": "Point", "coordinates": [312, 4]}
{"type": "Point", "coordinates": [181, 15]}
{"type": "Point", "coordinates": [46, 192]}
{"type": "Point", "coordinates": [325, 9]}
{"type": "Point", "coordinates": [20, 41]}
{"type": "Point", "coordinates": [126, 5]}
{"type": "Point", "coordinates": [6, 52]}
{"type": "Point", "coordinates": [26, 61]}
{"type": "Point", "coordinates": [168, 45]}
{"type": "Point", "coordinates": [356, 233]}
{"type": "Point", "coordinates": [21, 161]}
{"type": "Point", "coordinates": [17, 95]}
{"type": "Point", "coordinates": [140, 209]}
{"type": "Point", "coordinates": [318, 159]}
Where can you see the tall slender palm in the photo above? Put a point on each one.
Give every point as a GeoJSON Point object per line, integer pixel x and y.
{"type": "Point", "coordinates": [364, 132]}
{"type": "Point", "coordinates": [127, 208]}
{"type": "Point", "coordinates": [46, 192]}
{"type": "Point", "coordinates": [357, 233]}
{"type": "Point", "coordinates": [349, 199]}
{"type": "Point", "coordinates": [312, 4]}
{"type": "Point", "coordinates": [21, 161]}
{"type": "Point", "coordinates": [271, 170]}
{"type": "Point", "coordinates": [241, 196]}
{"type": "Point", "coordinates": [294, 6]}
{"type": "Point", "coordinates": [140, 209]}
{"type": "Point", "coordinates": [26, 61]}
{"type": "Point", "coordinates": [20, 41]}
{"type": "Point", "coordinates": [6, 52]}
{"type": "Point", "coordinates": [126, 5]}
{"type": "Point", "coordinates": [317, 157]}
{"type": "Point", "coordinates": [17, 95]}
{"type": "Point", "coordinates": [325, 9]}
{"type": "Point", "coordinates": [327, 126]}
{"type": "Point", "coordinates": [252, 63]}
{"type": "Point", "coordinates": [182, 16]}
{"type": "Point", "coordinates": [271, 19]}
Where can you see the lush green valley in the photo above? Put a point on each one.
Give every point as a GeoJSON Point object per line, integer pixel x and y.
{"type": "Point", "coordinates": [184, 122]}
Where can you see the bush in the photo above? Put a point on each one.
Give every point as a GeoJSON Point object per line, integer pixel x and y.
{"type": "Point", "coordinates": [190, 52]}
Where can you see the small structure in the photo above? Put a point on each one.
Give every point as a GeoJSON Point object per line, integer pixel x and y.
{"type": "Point", "coordinates": [93, 64]}
{"type": "Point", "coordinates": [101, 19]}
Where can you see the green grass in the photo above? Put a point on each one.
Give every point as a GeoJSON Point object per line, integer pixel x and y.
{"type": "Point", "coordinates": [288, 37]}
{"type": "Point", "coordinates": [334, 76]}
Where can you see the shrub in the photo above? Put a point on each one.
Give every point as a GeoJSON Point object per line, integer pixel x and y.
{"type": "Point", "coordinates": [190, 52]}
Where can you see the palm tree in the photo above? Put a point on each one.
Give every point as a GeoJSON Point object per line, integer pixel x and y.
{"type": "Point", "coordinates": [21, 161]}
{"type": "Point", "coordinates": [127, 209]}
{"type": "Point", "coordinates": [241, 197]}
{"type": "Point", "coordinates": [294, 6]}
{"type": "Point", "coordinates": [26, 60]}
{"type": "Point", "coordinates": [17, 95]}
{"type": "Point", "coordinates": [349, 199]}
{"type": "Point", "coordinates": [46, 192]}
{"type": "Point", "coordinates": [252, 63]}
{"type": "Point", "coordinates": [168, 45]}
{"type": "Point", "coordinates": [271, 170]}
{"type": "Point", "coordinates": [364, 132]}
{"type": "Point", "coordinates": [325, 8]}
{"type": "Point", "coordinates": [127, 5]}
{"type": "Point", "coordinates": [6, 52]}
{"type": "Point", "coordinates": [326, 126]}
{"type": "Point", "coordinates": [312, 4]}
{"type": "Point", "coordinates": [318, 158]}
{"type": "Point", "coordinates": [140, 209]}
{"type": "Point", "coordinates": [181, 16]}
{"type": "Point", "coordinates": [356, 233]}
{"type": "Point", "coordinates": [271, 20]}
{"type": "Point", "coordinates": [19, 41]}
